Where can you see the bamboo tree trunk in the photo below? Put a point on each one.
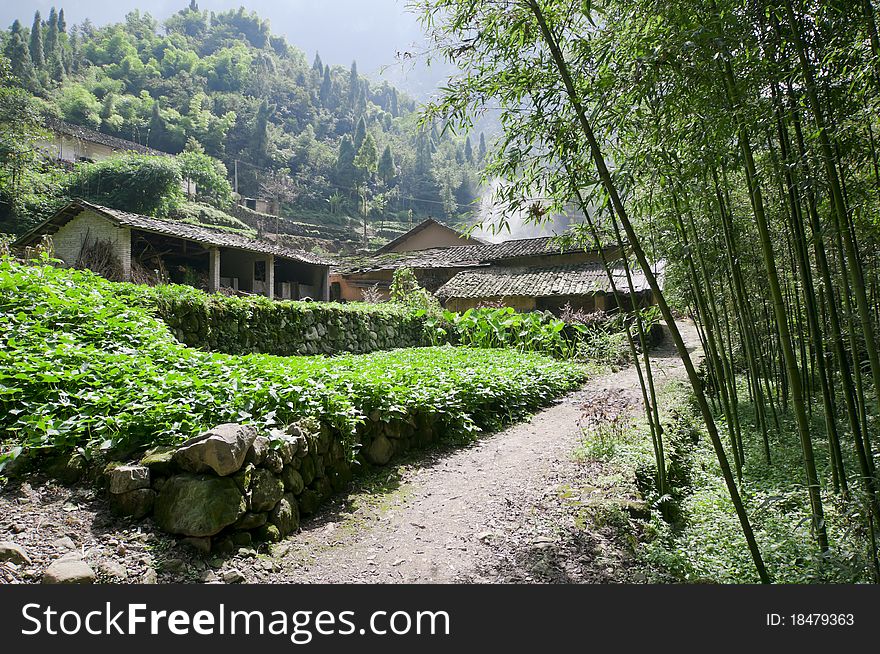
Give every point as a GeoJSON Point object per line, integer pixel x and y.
{"type": "Point", "coordinates": [617, 205]}
{"type": "Point", "coordinates": [840, 209]}
{"type": "Point", "coordinates": [794, 381]}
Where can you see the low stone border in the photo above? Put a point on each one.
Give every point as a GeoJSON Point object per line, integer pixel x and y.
{"type": "Point", "coordinates": [230, 487]}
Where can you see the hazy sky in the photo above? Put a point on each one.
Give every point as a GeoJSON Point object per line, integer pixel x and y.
{"type": "Point", "coordinates": [371, 31]}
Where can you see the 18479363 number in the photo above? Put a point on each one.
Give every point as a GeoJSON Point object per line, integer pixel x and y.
{"type": "Point", "coordinates": [811, 620]}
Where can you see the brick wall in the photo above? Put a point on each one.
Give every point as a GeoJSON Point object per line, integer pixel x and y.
{"type": "Point", "coordinates": [89, 226]}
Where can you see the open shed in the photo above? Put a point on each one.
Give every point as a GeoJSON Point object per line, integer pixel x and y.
{"type": "Point", "coordinates": [224, 259]}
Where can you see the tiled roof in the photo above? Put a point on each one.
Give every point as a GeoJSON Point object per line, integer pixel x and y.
{"type": "Point", "coordinates": [526, 247]}
{"type": "Point", "coordinates": [500, 281]}
{"type": "Point", "coordinates": [203, 235]}
{"type": "Point", "coordinates": [388, 247]}
{"type": "Point", "coordinates": [87, 134]}
{"type": "Point", "coordinates": [461, 256]}
{"type": "Point", "coordinates": [454, 257]}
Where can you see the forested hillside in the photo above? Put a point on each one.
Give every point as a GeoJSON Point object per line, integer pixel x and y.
{"type": "Point", "coordinates": [320, 138]}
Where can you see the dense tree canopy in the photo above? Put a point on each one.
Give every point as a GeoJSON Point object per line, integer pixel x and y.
{"type": "Point", "coordinates": [225, 81]}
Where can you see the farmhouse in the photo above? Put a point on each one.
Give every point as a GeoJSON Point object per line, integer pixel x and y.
{"type": "Point", "coordinates": [530, 274]}
{"type": "Point", "coordinates": [221, 258]}
{"type": "Point", "coordinates": [426, 235]}
{"type": "Point", "coordinates": [70, 144]}
{"type": "Point", "coordinates": [581, 286]}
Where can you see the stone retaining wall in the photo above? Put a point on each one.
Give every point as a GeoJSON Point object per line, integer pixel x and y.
{"type": "Point", "coordinates": [229, 487]}
{"type": "Point", "coordinates": [236, 326]}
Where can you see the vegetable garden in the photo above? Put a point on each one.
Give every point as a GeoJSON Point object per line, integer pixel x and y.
{"type": "Point", "coordinates": [83, 367]}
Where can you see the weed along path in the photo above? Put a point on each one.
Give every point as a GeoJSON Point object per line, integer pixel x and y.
{"type": "Point", "coordinates": [498, 511]}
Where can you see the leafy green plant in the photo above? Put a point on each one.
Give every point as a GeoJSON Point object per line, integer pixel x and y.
{"type": "Point", "coordinates": [406, 291]}
{"type": "Point", "coordinates": [82, 365]}
{"type": "Point", "coordinates": [525, 332]}
{"type": "Point", "coordinates": [133, 182]}
{"type": "Point", "coordinates": [209, 175]}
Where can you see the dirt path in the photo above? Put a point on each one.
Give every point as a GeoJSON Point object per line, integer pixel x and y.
{"type": "Point", "coordinates": [506, 509]}
{"type": "Point", "coordinates": [491, 512]}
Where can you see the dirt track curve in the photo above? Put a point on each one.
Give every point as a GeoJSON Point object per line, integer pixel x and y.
{"type": "Point", "coordinates": [492, 512]}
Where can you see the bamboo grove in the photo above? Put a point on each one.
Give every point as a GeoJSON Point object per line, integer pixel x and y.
{"type": "Point", "coordinates": [737, 140]}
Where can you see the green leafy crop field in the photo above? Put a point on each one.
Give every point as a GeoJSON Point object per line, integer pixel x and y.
{"type": "Point", "coordinates": [82, 366]}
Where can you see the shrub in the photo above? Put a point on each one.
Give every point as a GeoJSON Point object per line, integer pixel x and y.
{"type": "Point", "coordinates": [406, 291]}
{"type": "Point", "coordinates": [209, 175]}
{"type": "Point", "coordinates": [131, 182]}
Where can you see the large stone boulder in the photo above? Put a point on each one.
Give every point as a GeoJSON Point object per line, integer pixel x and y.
{"type": "Point", "coordinates": [308, 501]}
{"type": "Point", "coordinates": [266, 490]}
{"type": "Point", "coordinates": [160, 460]}
{"type": "Point", "coordinates": [14, 553]}
{"type": "Point", "coordinates": [379, 451]}
{"type": "Point", "coordinates": [221, 450]}
{"type": "Point", "coordinates": [307, 470]}
{"type": "Point", "coordinates": [135, 503]}
{"type": "Point", "coordinates": [251, 521]}
{"type": "Point", "coordinates": [293, 481]}
{"type": "Point", "coordinates": [258, 450]}
{"type": "Point", "coordinates": [128, 478]}
{"type": "Point", "coordinates": [198, 505]}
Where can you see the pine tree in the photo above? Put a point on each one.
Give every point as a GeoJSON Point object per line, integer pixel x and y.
{"type": "Point", "coordinates": [395, 103]}
{"type": "Point", "coordinates": [318, 65]}
{"type": "Point", "coordinates": [424, 161]}
{"type": "Point", "coordinates": [468, 150]}
{"type": "Point", "coordinates": [327, 88]}
{"type": "Point", "coordinates": [354, 86]}
{"type": "Point", "coordinates": [157, 128]}
{"type": "Point", "coordinates": [481, 152]}
{"type": "Point", "coordinates": [20, 58]}
{"type": "Point", "coordinates": [367, 158]}
{"type": "Point", "coordinates": [387, 169]}
{"type": "Point", "coordinates": [346, 173]}
{"type": "Point", "coordinates": [73, 60]}
{"type": "Point", "coordinates": [360, 133]}
{"type": "Point", "coordinates": [62, 24]}
{"type": "Point", "coordinates": [50, 46]}
{"type": "Point", "coordinates": [361, 104]}
{"type": "Point", "coordinates": [260, 137]}
{"type": "Point", "coordinates": [36, 42]}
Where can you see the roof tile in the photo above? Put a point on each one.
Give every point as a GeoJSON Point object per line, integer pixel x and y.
{"type": "Point", "coordinates": [501, 281]}
{"type": "Point", "coordinates": [461, 256]}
